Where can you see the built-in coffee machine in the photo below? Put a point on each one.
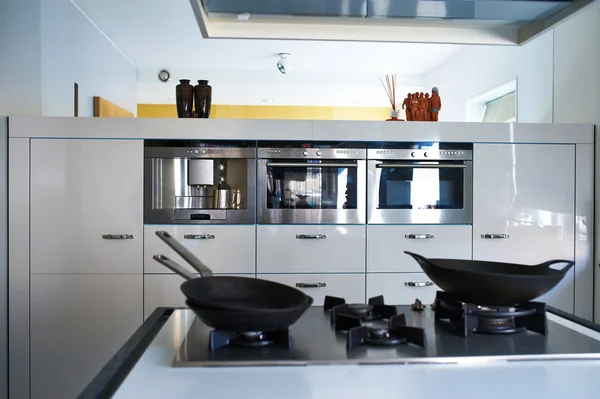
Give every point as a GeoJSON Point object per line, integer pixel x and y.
{"type": "Point", "coordinates": [199, 181]}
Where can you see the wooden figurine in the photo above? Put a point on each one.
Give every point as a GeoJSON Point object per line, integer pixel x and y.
{"type": "Point", "coordinates": [428, 111]}
{"type": "Point", "coordinates": [436, 103]}
{"type": "Point", "coordinates": [423, 107]}
{"type": "Point", "coordinates": [414, 107]}
{"type": "Point", "coordinates": [406, 107]}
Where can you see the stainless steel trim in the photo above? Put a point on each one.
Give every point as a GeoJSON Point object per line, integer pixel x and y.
{"type": "Point", "coordinates": [199, 152]}
{"type": "Point", "coordinates": [420, 155]}
{"type": "Point", "coordinates": [311, 285]}
{"type": "Point", "coordinates": [420, 165]}
{"type": "Point", "coordinates": [311, 236]}
{"type": "Point", "coordinates": [495, 236]}
{"type": "Point", "coordinates": [199, 236]}
{"type": "Point", "coordinates": [418, 236]}
{"type": "Point", "coordinates": [183, 215]}
{"type": "Point", "coordinates": [418, 283]}
{"type": "Point", "coordinates": [117, 236]}
{"type": "Point", "coordinates": [311, 165]}
{"type": "Point", "coordinates": [312, 153]}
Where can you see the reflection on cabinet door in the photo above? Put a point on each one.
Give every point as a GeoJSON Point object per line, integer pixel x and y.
{"type": "Point", "coordinates": [386, 245]}
{"type": "Point", "coordinates": [348, 286]}
{"type": "Point", "coordinates": [78, 322]}
{"type": "Point", "coordinates": [225, 249]}
{"type": "Point", "coordinates": [86, 206]}
{"type": "Point", "coordinates": [162, 290]}
{"type": "Point", "coordinates": [401, 288]}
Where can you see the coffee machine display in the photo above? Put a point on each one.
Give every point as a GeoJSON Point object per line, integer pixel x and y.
{"type": "Point", "coordinates": [199, 181]}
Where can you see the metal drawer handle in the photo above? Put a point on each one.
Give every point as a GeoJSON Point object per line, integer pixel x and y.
{"type": "Point", "coordinates": [418, 283]}
{"type": "Point", "coordinates": [199, 236]}
{"type": "Point", "coordinates": [309, 285]}
{"type": "Point", "coordinates": [117, 236]}
{"type": "Point", "coordinates": [311, 236]}
{"type": "Point", "coordinates": [495, 236]}
{"type": "Point", "coordinates": [418, 236]}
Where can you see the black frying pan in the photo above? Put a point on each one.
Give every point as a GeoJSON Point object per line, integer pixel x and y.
{"type": "Point", "coordinates": [231, 292]}
{"type": "Point", "coordinates": [492, 283]}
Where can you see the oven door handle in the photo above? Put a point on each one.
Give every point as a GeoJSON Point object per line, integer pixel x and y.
{"type": "Point", "coordinates": [421, 166]}
{"type": "Point", "coordinates": [311, 165]}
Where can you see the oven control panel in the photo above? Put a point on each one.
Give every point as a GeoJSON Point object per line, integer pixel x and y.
{"type": "Point", "coordinates": [412, 154]}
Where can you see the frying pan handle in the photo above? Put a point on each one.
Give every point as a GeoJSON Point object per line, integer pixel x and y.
{"type": "Point", "coordinates": [546, 265]}
{"type": "Point", "coordinates": [184, 253]}
{"type": "Point", "coordinates": [174, 266]}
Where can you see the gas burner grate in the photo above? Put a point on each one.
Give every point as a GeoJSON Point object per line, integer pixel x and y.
{"type": "Point", "coordinates": [249, 339]}
{"type": "Point", "coordinates": [375, 309]}
{"type": "Point", "coordinates": [396, 333]}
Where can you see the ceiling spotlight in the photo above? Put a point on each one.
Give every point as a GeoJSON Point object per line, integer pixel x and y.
{"type": "Point", "coordinates": [284, 64]}
{"type": "Point", "coordinates": [164, 75]}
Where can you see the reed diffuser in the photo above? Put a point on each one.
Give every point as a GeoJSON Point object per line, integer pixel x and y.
{"type": "Point", "coordinates": [390, 89]}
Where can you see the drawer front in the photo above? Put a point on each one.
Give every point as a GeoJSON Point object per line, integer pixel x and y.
{"type": "Point", "coordinates": [397, 288]}
{"type": "Point", "coordinates": [386, 245]}
{"type": "Point", "coordinates": [348, 286]}
{"type": "Point", "coordinates": [225, 249]}
{"type": "Point", "coordinates": [163, 290]}
{"type": "Point", "coordinates": [310, 249]}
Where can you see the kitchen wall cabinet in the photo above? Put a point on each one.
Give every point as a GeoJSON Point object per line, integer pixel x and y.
{"type": "Point", "coordinates": [524, 208]}
{"type": "Point", "coordinates": [311, 249]}
{"type": "Point", "coordinates": [78, 322]}
{"type": "Point", "coordinates": [82, 191]}
{"type": "Point", "coordinates": [386, 245]}
{"type": "Point", "coordinates": [401, 288]}
{"type": "Point", "coordinates": [224, 249]}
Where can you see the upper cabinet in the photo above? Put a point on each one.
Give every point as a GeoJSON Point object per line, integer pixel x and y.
{"type": "Point", "coordinates": [86, 206]}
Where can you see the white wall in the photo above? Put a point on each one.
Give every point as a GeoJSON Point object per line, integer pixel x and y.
{"type": "Point", "coordinates": [478, 69]}
{"type": "Point", "coordinates": [20, 58]}
{"type": "Point", "coordinates": [74, 50]}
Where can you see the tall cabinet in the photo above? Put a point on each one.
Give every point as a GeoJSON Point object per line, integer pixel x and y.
{"type": "Point", "coordinates": [524, 208]}
{"type": "Point", "coordinates": [86, 257]}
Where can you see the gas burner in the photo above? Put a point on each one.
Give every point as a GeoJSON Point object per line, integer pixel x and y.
{"type": "Point", "coordinates": [467, 318]}
{"type": "Point", "coordinates": [250, 339]}
{"type": "Point", "coordinates": [374, 310]}
{"type": "Point", "coordinates": [396, 333]}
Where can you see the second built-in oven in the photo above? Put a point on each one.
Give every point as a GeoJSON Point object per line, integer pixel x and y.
{"type": "Point", "coordinates": [420, 183]}
{"type": "Point", "coordinates": [315, 182]}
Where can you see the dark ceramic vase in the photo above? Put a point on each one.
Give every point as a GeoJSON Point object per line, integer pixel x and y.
{"type": "Point", "coordinates": [203, 98]}
{"type": "Point", "coordinates": [184, 93]}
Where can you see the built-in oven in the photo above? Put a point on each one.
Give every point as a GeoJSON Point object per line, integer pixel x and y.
{"type": "Point", "coordinates": [314, 182]}
{"type": "Point", "coordinates": [199, 181]}
{"type": "Point", "coordinates": [420, 183]}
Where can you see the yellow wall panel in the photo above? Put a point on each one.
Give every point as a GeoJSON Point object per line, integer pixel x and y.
{"type": "Point", "coordinates": [272, 112]}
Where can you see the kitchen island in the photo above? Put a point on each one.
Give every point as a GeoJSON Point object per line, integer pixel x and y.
{"type": "Point", "coordinates": [145, 367]}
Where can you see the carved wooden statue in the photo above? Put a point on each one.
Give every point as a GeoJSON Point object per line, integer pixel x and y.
{"type": "Point", "coordinates": [436, 103]}
{"type": "Point", "coordinates": [406, 107]}
{"type": "Point", "coordinates": [414, 107]}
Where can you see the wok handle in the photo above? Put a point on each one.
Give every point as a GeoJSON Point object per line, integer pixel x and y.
{"type": "Point", "coordinates": [311, 285]}
{"type": "Point", "coordinates": [184, 253]}
{"type": "Point", "coordinates": [546, 265]}
{"type": "Point", "coordinates": [418, 236]}
{"type": "Point", "coordinates": [494, 236]}
{"type": "Point", "coordinates": [417, 257]}
{"type": "Point", "coordinates": [174, 266]}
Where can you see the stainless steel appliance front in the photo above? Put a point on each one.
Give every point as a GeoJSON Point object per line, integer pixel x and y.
{"type": "Point", "coordinates": [198, 182]}
{"type": "Point", "coordinates": [300, 183]}
{"type": "Point", "coordinates": [420, 183]}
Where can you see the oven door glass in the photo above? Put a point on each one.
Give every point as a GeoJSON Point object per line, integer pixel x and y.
{"type": "Point", "coordinates": [311, 185]}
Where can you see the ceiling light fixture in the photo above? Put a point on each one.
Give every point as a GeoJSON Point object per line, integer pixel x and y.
{"type": "Point", "coordinates": [284, 64]}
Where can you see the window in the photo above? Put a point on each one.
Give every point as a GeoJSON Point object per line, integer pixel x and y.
{"type": "Point", "coordinates": [502, 109]}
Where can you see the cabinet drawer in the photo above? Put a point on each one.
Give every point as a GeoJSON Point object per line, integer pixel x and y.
{"type": "Point", "coordinates": [386, 245]}
{"type": "Point", "coordinates": [225, 249]}
{"type": "Point", "coordinates": [310, 249]}
{"type": "Point", "coordinates": [395, 291]}
{"type": "Point", "coordinates": [348, 286]}
{"type": "Point", "coordinates": [163, 291]}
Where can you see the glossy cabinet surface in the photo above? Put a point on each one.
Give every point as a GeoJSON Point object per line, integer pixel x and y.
{"type": "Point", "coordinates": [401, 288]}
{"type": "Point", "coordinates": [386, 245]}
{"type": "Point", "coordinates": [82, 190]}
{"type": "Point", "coordinates": [310, 249]}
{"type": "Point", "coordinates": [524, 206]}
{"type": "Point", "coordinates": [224, 249]}
{"type": "Point", "coordinates": [348, 286]}
{"type": "Point", "coordinates": [78, 322]}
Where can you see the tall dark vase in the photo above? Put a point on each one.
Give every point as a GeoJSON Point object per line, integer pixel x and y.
{"type": "Point", "coordinates": [184, 93]}
{"type": "Point", "coordinates": [203, 98]}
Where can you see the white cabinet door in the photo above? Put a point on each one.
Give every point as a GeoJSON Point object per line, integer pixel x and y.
{"type": "Point", "coordinates": [162, 290]}
{"type": "Point", "coordinates": [401, 288]}
{"type": "Point", "coordinates": [523, 207]}
{"type": "Point", "coordinates": [310, 249]}
{"type": "Point", "coordinates": [386, 245]}
{"type": "Point", "coordinates": [351, 287]}
{"type": "Point", "coordinates": [225, 249]}
{"type": "Point", "coordinates": [78, 322]}
{"type": "Point", "coordinates": [80, 191]}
